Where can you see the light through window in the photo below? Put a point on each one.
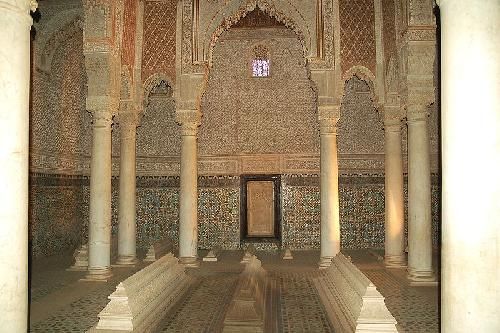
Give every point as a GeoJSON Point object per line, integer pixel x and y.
{"type": "Point", "coordinates": [260, 67]}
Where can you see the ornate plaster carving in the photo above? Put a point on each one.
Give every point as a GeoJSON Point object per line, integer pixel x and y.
{"type": "Point", "coordinates": [357, 34]}
{"type": "Point", "coordinates": [159, 47]}
{"type": "Point", "coordinates": [231, 12]}
{"type": "Point", "coordinates": [54, 33]}
{"type": "Point", "coordinates": [328, 116]}
{"type": "Point", "coordinates": [153, 81]}
{"type": "Point", "coordinates": [126, 84]}
{"type": "Point", "coordinates": [364, 74]}
{"type": "Point", "coordinates": [421, 12]}
{"type": "Point", "coordinates": [189, 120]}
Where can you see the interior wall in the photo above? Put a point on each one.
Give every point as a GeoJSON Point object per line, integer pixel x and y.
{"type": "Point", "coordinates": [241, 115]}
{"type": "Point", "coordinates": [258, 115]}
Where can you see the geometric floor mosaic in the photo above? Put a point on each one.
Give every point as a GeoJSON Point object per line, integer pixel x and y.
{"type": "Point", "coordinates": [204, 305]}
{"type": "Point", "coordinates": [415, 308]}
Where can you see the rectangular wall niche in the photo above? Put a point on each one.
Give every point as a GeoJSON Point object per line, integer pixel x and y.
{"type": "Point", "coordinates": [260, 208]}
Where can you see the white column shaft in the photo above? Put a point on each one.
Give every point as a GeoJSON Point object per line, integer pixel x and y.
{"type": "Point", "coordinates": [100, 200]}
{"type": "Point", "coordinates": [419, 199]}
{"type": "Point", "coordinates": [15, 25]}
{"type": "Point", "coordinates": [394, 198]}
{"type": "Point", "coordinates": [127, 195]}
{"type": "Point", "coordinates": [188, 228]}
{"type": "Point", "coordinates": [329, 190]}
{"type": "Point", "coordinates": [470, 289]}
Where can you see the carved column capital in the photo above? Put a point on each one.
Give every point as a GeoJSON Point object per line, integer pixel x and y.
{"type": "Point", "coordinates": [393, 117]}
{"type": "Point", "coordinates": [416, 113]}
{"type": "Point", "coordinates": [393, 124]}
{"type": "Point", "coordinates": [102, 108]}
{"type": "Point", "coordinates": [189, 120]}
{"type": "Point", "coordinates": [102, 118]}
{"type": "Point", "coordinates": [328, 116]}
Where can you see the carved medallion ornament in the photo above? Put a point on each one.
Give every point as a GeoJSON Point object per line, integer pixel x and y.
{"type": "Point", "coordinates": [198, 42]}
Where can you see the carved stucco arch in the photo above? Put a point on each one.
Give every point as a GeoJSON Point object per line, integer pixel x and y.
{"type": "Point", "coordinates": [154, 80]}
{"type": "Point", "coordinates": [54, 33]}
{"type": "Point", "coordinates": [282, 10]}
{"type": "Point", "coordinates": [364, 74]}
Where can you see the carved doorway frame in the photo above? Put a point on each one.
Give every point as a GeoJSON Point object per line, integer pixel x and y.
{"type": "Point", "coordinates": [276, 179]}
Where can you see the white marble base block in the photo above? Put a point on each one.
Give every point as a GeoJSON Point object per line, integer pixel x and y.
{"type": "Point", "coordinates": [81, 256]}
{"type": "Point", "coordinates": [159, 249]}
{"type": "Point", "coordinates": [288, 254]}
{"type": "Point", "coordinates": [212, 255]}
{"type": "Point", "coordinates": [141, 301]}
{"type": "Point", "coordinates": [351, 301]}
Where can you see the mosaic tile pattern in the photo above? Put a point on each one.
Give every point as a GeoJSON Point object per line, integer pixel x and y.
{"type": "Point", "coordinates": [59, 212]}
{"type": "Point", "coordinates": [60, 125]}
{"type": "Point", "coordinates": [301, 306]}
{"type": "Point", "coordinates": [416, 309]}
{"type": "Point", "coordinates": [301, 216]}
{"type": "Point", "coordinates": [159, 134]}
{"type": "Point", "coordinates": [219, 218]}
{"type": "Point", "coordinates": [81, 314]}
{"type": "Point", "coordinates": [157, 215]}
{"type": "Point", "coordinates": [55, 219]}
{"type": "Point", "coordinates": [203, 307]}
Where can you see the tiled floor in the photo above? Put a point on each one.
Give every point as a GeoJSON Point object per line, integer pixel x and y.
{"type": "Point", "coordinates": [62, 304]}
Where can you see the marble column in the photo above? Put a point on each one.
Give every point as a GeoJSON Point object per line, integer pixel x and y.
{"type": "Point", "coordinates": [419, 198]}
{"type": "Point", "coordinates": [188, 215]}
{"type": "Point", "coordinates": [99, 249]}
{"type": "Point", "coordinates": [394, 198]}
{"type": "Point", "coordinates": [470, 123]}
{"type": "Point", "coordinates": [14, 148]}
{"type": "Point", "coordinates": [329, 186]}
{"type": "Point", "coordinates": [127, 190]}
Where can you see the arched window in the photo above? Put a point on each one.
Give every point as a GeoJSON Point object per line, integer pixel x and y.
{"type": "Point", "coordinates": [260, 61]}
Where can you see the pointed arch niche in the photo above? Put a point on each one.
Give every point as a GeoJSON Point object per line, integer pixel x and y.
{"type": "Point", "coordinates": [158, 133]}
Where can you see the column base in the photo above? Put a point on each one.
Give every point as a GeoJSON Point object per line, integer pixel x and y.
{"type": "Point", "coordinates": [125, 261]}
{"type": "Point", "coordinates": [189, 262]}
{"type": "Point", "coordinates": [288, 254]}
{"type": "Point", "coordinates": [422, 278]}
{"type": "Point", "coordinates": [98, 274]}
{"type": "Point", "coordinates": [395, 261]}
{"type": "Point", "coordinates": [325, 262]}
